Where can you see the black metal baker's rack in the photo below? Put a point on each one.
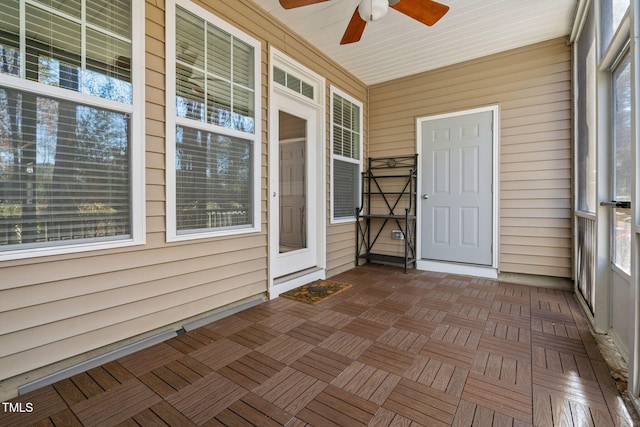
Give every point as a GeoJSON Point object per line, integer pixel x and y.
{"type": "Point", "coordinates": [388, 198]}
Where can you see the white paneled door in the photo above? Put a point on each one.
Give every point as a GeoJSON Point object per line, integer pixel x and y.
{"type": "Point", "coordinates": [456, 189]}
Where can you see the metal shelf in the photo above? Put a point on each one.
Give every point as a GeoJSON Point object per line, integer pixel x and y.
{"type": "Point", "coordinates": [383, 173]}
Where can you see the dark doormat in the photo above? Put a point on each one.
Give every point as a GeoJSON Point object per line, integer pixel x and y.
{"type": "Point", "coordinates": [314, 292]}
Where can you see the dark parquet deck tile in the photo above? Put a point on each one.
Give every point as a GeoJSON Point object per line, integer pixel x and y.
{"type": "Point", "coordinates": [254, 336]}
{"type": "Point", "coordinates": [422, 404]}
{"type": "Point", "coordinates": [258, 313]}
{"type": "Point", "coordinates": [192, 340]}
{"type": "Point", "coordinates": [506, 331]}
{"type": "Point", "coordinates": [150, 418]}
{"type": "Point", "coordinates": [206, 398]}
{"type": "Point", "coordinates": [350, 308]}
{"type": "Point", "coordinates": [144, 361]}
{"type": "Point", "coordinates": [493, 394]}
{"type": "Point", "coordinates": [290, 389]}
{"type": "Point", "coordinates": [381, 316]}
{"type": "Point", "coordinates": [388, 358]}
{"type": "Point", "coordinates": [303, 311]}
{"type": "Point", "coordinates": [404, 340]}
{"type": "Point", "coordinates": [281, 322]}
{"type": "Point", "coordinates": [252, 410]}
{"type": "Point", "coordinates": [395, 349]}
{"type": "Point", "coordinates": [557, 343]}
{"type": "Point", "coordinates": [332, 318]}
{"type": "Point", "coordinates": [130, 398]}
{"type": "Point", "coordinates": [251, 370]}
{"type": "Point", "coordinates": [386, 418]}
{"type": "Point", "coordinates": [334, 406]}
{"type": "Point", "coordinates": [474, 300]}
{"type": "Point", "coordinates": [518, 309]}
{"type": "Point", "coordinates": [365, 328]}
{"type": "Point", "coordinates": [464, 322]}
{"type": "Point", "coordinates": [365, 299]}
{"type": "Point", "coordinates": [418, 324]}
{"type": "Point", "coordinates": [449, 353]}
{"type": "Point", "coordinates": [322, 364]}
{"type": "Point", "coordinates": [512, 349]}
{"type": "Point", "coordinates": [69, 392]}
{"type": "Point", "coordinates": [346, 344]}
{"type": "Point", "coordinates": [312, 332]}
{"type": "Point", "coordinates": [393, 306]}
{"type": "Point", "coordinates": [220, 353]}
{"type": "Point", "coordinates": [285, 349]}
{"type": "Point", "coordinates": [46, 403]}
{"type": "Point", "coordinates": [227, 326]}
{"type": "Point", "coordinates": [367, 382]}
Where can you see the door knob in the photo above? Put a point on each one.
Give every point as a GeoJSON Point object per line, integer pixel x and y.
{"type": "Point", "coordinates": [425, 196]}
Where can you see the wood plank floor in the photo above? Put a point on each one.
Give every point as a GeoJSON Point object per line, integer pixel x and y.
{"type": "Point", "coordinates": [417, 349]}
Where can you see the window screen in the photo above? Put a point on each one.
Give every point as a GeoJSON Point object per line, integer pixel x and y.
{"type": "Point", "coordinates": [346, 133]}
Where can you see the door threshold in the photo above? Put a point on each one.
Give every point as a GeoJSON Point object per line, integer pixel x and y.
{"type": "Point", "coordinates": [291, 281]}
{"type": "Point", "coordinates": [486, 272]}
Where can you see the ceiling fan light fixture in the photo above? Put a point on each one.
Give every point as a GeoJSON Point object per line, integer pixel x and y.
{"type": "Point", "coordinates": [372, 10]}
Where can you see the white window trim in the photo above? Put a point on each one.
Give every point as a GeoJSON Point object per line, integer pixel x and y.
{"type": "Point", "coordinates": [171, 122]}
{"type": "Point", "coordinates": [335, 91]}
{"type": "Point", "coordinates": [137, 148]}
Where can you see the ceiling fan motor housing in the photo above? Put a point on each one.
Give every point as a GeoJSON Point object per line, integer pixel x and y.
{"type": "Point", "coordinates": [372, 10]}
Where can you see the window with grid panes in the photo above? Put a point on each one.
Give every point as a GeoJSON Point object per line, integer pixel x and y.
{"type": "Point", "coordinates": [67, 107]}
{"type": "Point", "coordinates": [216, 137]}
{"type": "Point", "coordinates": [346, 155]}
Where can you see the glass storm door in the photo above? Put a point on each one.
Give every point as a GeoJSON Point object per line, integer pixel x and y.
{"type": "Point", "coordinates": [294, 228]}
{"type": "Point", "coordinates": [621, 295]}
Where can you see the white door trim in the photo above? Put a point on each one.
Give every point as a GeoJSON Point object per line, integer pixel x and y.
{"type": "Point", "coordinates": [277, 94]}
{"type": "Point", "coordinates": [457, 268]}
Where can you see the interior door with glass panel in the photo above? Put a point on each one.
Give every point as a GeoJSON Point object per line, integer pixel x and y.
{"type": "Point", "coordinates": [294, 198]}
{"type": "Point", "coordinates": [620, 204]}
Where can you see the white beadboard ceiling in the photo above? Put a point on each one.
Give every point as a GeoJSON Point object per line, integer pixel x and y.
{"type": "Point", "coordinates": [397, 46]}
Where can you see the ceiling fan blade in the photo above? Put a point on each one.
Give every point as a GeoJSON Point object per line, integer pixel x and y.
{"type": "Point", "coordinates": [291, 4]}
{"type": "Point", "coordinates": [426, 11]}
{"type": "Point", "coordinates": [354, 30]}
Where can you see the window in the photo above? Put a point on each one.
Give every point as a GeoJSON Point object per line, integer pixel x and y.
{"type": "Point", "coordinates": [585, 121]}
{"type": "Point", "coordinates": [622, 167]}
{"type": "Point", "coordinates": [294, 83]}
{"type": "Point", "coordinates": [611, 15]}
{"type": "Point", "coordinates": [214, 155]}
{"type": "Point", "coordinates": [346, 155]}
{"type": "Point", "coordinates": [70, 126]}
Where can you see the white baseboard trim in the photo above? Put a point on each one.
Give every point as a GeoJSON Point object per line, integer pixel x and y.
{"type": "Point", "coordinates": [453, 268]}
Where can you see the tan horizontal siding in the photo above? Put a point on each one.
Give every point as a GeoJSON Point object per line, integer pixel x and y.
{"type": "Point", "coordinates": [341, 240]}
{"type": "Point", "coordinates": [65, 306]}
{"type": "Point", "coordinates": [532, 87]}
{"type": "Point", "coordinates": [79, 343]}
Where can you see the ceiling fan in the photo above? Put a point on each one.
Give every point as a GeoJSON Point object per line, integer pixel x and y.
{"type": "Point", "coordinates": [426, 11]}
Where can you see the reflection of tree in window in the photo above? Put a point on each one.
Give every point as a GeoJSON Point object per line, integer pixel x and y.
{"type": "Point", "coordinates": [213, 177]}
{"type": "Point", "coordinates": [622, 130]}
{"type": "Point", "coordinates": [69, 173]}
{"type": "Point", "coordinates": [214, 86]}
